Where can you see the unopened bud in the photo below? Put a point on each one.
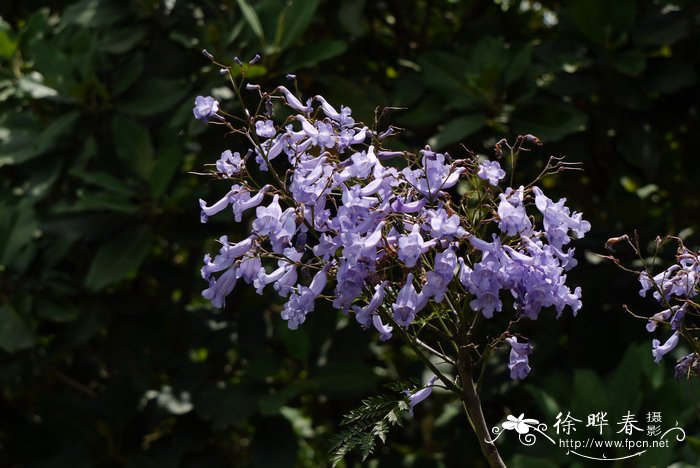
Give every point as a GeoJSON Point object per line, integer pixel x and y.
{"type": "Point", "coordinates": [532, 139]}
{"type": "Point", "coordinates": [614, 241]}
{"type": "Point", "coordinates": [254, 60]}
{"type": "Point", "coordinates": [207, 54]}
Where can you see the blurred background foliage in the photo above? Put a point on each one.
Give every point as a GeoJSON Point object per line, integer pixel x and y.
{"type": "Point", "coordinates": [108, 354]}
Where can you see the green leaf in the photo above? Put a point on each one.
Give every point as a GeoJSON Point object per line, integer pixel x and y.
{"type": "Point", "coordinates": [167, 165]}
{"type": "Point", "coordinates": [298, 17]}
{"type": "Point", "coordinates": [518, 64]}
{"type": "Point", "coordinates": [673, 76]}
{"type": "Point", "coordinates": [15, 334]}
{"type": "Point", "coordinates": [153, 97]}
{"type": "Point", "coordinates": [345, 379]}
{"type": "Point", "coordinates": [227, 405]}
{"type": "Point", "coordinates": [298, 342]}
{"type": "Point", "coordinates": [93, 13]}
{"type": "Point", "coordinates": [549, 120]}
{"type": "Point", "coordinates": [310, 55]}
{"type": "Point", "coordinates": [125, 76]}
{"type": "Point", "coordinates": [105, 181]}
{"type": "Point", "coordinates": [8, 45]}
{"type": "Point", "coordinates": [133, 145]}
{"type": "Point", "coordinates": [25, 145]}
{"type": "Point", "coordinates": [352, 18]}
{"type": "Point", "coordinates": [279, 446]}
{"type": "Point", "coordinates": [590, 18]}
{"type": "Point", "coordinates": [17, 226]}
{"type": "Point", "coordinates": [631, 63]}
{"type": "Point", "coordinates": [363, 425]}
{"type": "Point", "coordinates": [251, 18]}
{"type": "Point", "coordinates": [121, 41]}
{"type": "Point", "coordinates": [56, 311]}
{"type": "Point", "coordinates": [589, 394]}
{"type": "Point", "coordinates": [97, 201]}
{"type": "Point", "coordinates": [118, 258]}
{"type": "Point", "coordinates": [457, 130]}
{"type": "Point", "coordinates": [626, 380]}
{"type": "Point", "coordinates": [662, 30]}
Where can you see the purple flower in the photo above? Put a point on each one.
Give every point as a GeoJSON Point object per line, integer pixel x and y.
{"type": "Point", "coordinates": [265, 128]}
{"type": "Point", "coordinates": [384, 330]}
{"type": "Point", "coordinates": [228, 254]}
{"type": "Point", "coordinates": [205, 108]}
{"type": "Point", "coordinates": [686, 365]}
{"type": "Point", "coordinates": [302, 302]}
{"type": "Point", "coordinates": [678, 316]}
{"type": "Point", "coordinates": [412, 246]}
{"type": "Point", "coordinates": [229, 163]}
{"type": "Point", "coordinates": [268, 218]}
{"type": "Point", "coordinates": [364, 315]}
{"type": "Point", "coordinates": [439, 224]}
{"type": "Point", "coordinates": [662, 316]}
{"type": "Point", "coordinates": [439, 279]}
{"type": "Point", "coordinates": [513, 218]}
{"type": "Point", "coordinates": [519, 365]}
{"type": "Point", "coordinates": [558, 220]}
{"type": "Point", "coordinates": [408, 303]}
{"type": "Point", "coordinates": [292, 100]}
{"type": "Point", "coordinates": [659, 350]}
{"type": "Point", "coordinates": [420, 395]}
{"type": "Point", "coordinates": [220, 288]}
{"type": "Point", "coordinates": [491, 171]}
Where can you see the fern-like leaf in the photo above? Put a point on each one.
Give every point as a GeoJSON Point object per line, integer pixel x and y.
{"type": "Point", "coordinates": [363, 425]}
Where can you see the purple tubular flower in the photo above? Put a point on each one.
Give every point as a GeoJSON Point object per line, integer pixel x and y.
{"type": "Point", "coordinates": [228, 254]}
{"type": "Point", "coordinates": [438, 280]}
{"type": "Point", "coordinates": [662, 316]}
{"type": "Point", "coordinates": [686, 365]}
{"type": "Point", "coordinates": [420, 395]}
{"type": "Point", "coordinates": [364, 315]}
{"type": "Point", "coordinates": [384, 330]}
{"type": "Point", "coordinates": [220, 288]}
{"type": "Point", "coordinates": [408, 303]}
{"type": "Point", "coordinates": [265, 128]}
{"type": "Point", "coordinates": [491, 171]}
{"type": "Point", "coordinates": [678, 316]}
{"type": "Point", "coordinates": [412, 246]}
{"type": "Point", "coordinates": [292, 100]}
{"type": "Point", "coordinates": [519, 365]}
{"type": "Point", "coordinates": [558, 220]}
{"type": "Point", "coordinates": [264, 278]}
{"type": "Point", "coordinates": [302, 302]}
{"type": "Point", "coordinates": [205, 108]}
{"type": "Point", "coordinates": [229, 163]}
{"type": "Point", "coordinates": [220, 205]}
{"type": "Point", "coordinates": [439, 224]}
{"type": "Point", "coordinates": [513, 218]}
{"type": "Point", "coordinates": [400, 206]}
{"type": "Point", "coordinates": [659, 350]}
{"type": "Point", "coordinates": [241, 205]}
{"type": "Point", "coordinates": [267, 218]}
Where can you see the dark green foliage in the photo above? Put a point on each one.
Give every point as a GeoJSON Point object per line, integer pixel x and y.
{"type": "Point", "coordinates": [108, 354]}
{"type": "Point", "coordinates": [362, 426]}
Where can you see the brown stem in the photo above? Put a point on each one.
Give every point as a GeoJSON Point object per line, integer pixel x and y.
{"type": "Point", "coordinates": [472, 406]}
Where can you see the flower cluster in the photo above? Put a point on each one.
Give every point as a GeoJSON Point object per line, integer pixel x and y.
{"type": "Point", "coordinates": [674, 288]}
{"type": "Point", "coordinates": [379, 233]}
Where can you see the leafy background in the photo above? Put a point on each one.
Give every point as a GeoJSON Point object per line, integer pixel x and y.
{"type": "Point", "coordinates": [108, 354]}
